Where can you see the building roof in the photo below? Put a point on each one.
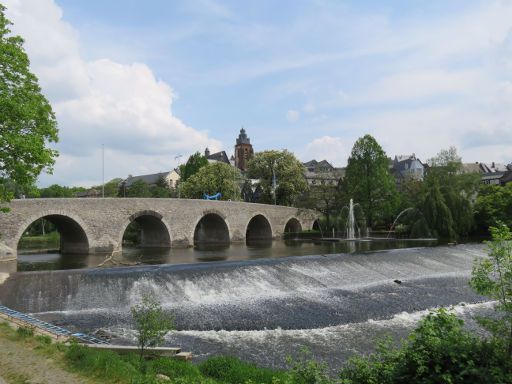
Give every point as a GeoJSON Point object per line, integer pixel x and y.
{"type": "Point", "coordinates": [219, 156]}
{"type": "Point", "coordinates": [319, 166]}
{"type": "Point", "coordinates": [148, 179]}
{"type": "Point", "coordinates": [492, 175]}
{"type": "Point", "coordinates": [493, 167]}
{"type": "Point", "coordinates": [507, 177]}
{"type": "Point", "coordinates": [471, 168]}
{"type": "Point", "coordinates": [403, 162]}
{"type": "Point", "coordinates": [242, 138]}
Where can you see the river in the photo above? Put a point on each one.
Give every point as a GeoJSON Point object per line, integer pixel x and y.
{"type": "Point", "coordinates": [262, 308]}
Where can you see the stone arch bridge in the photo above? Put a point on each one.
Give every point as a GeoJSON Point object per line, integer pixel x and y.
{"type": "Point", "coordinates": [97, 225]}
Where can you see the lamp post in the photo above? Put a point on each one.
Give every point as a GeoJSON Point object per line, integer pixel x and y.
{"type": "Point", "coordinates": [102, 170]}
{"type": "Point", "coordinates": [178, 157]}
{"type": "Point", "coordinates": [274, 185]}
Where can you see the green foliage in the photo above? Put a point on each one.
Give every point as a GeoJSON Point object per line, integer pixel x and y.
{"type": "Point", "coordinates": [106, 365]}
{"type": "Point", "coordinates": [436, 211]}
{"type": "Point", "coordinates": [211, 179]}
{"type": "Point", "coordinates": [369, 182]}
{"type": "Point", "coordinates": [192, 166]}
{"type": "Point", "coordinates": [43, 339]}
{"type": "Point", "coordinates": [111, 188]}
{"type": "Point", "coordinates": [234, 371]}
{"type": "Point", "coordinates": [138, 189]}
{"type": "Point", "coordinates": [493, 205]}
{"type": "Point", "coordinates": [289, 176]}
{"type": "Point", "coordinates": [306, 370]}
{"type": "Point", "coordinates": [50, 240]}
{"type": "Point", "coordinates": [25, 332]}
{"type": "Point", "coordinates": [492, 277]}
{"type": "Point", "coordinates": [175, 368]}
{"type": "Point", "coordinates": [27, 122]}
{"type": "Point", "coordinates": [438, 351]}
{"type": "Point", "coordinates": [56, 190]}
{"type": "Point", "coordinates": [151, 323]}
{"type": "Point", "coordinates": [322, 197]}
{"type": "Point", "coordinates": [161, 189]}
{"type": "Point", "coordinates": [447, 194]}
{"type": "Point", "coordinates": [132, 233]}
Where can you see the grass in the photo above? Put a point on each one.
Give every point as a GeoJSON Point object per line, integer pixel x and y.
{"type": "Point", "coordinates": [50, 240]}
{"type": "Point", "coordinates": [107, 366]}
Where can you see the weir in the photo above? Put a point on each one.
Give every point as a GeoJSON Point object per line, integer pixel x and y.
{"type": "Point", "coordinates": [259, 309]}
{"type": "Point", "coordinates": [97, 225]}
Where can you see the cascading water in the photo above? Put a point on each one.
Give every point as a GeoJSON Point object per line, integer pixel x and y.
{"type": "Point", "coordinates": [260, 310]}
{"type": "Point", "coordinates": [351, 222]}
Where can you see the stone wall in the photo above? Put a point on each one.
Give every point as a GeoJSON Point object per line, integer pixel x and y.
{"type": "Point", "coordinates": [97, 225]}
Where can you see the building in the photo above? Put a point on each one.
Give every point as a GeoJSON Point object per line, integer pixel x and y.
{"type": "Point", "coordinates": [243, 151]}
{"type": "Point", "coordinates": [217, 156]}
{"type": "Point", "coordinates": [407, 167]}
{"type": "Point", "coordinates": [322, 173]}
{"type": "Point", "coordinates": [490, 173]}
{"type": "Point", "coordinates": [170, 178]}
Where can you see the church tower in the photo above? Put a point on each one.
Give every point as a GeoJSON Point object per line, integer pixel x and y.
{"type": "Point", "coordinates": [243, 151]}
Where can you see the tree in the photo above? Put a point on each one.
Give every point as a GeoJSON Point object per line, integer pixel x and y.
{"type": "Point", "coordinates": [56, 190]}
{"type": "Point", "coordinates": [369, 182]}
{"type": "Point", "coordinates": [151, 323]}
{"type": "Point", "coordinates": [27, 122]}
{"type": "Point", "coordinates": [111, 187]}
{"type": "Point", "coordinates": [192, 166]}
{"type": "Point", "coordinates": [323, 196]}
{"type": "Point", "coordinates": [285, 169]}
{"type": "Point", "coordinates": [214, 178]}
{"type": "Point", "coordinates": [138, 189]}
{"type": "Point", "coordinates": [435, 210]}
{"type": "Point", "coordinates": [494, 204]}
{"type": "Point", "coordinates": [456, 191]}
{"type": "Point", "coordinates": [160, 189]}
{"type": "Point", "coordinates": [492, 277]}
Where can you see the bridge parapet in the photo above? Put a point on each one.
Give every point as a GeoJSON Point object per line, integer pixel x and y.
{"type": "Point", "coordinates": [97, 225]}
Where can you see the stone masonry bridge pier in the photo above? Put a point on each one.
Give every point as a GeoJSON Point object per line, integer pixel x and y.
{"type": "Point", "coordinates": [97, 225]}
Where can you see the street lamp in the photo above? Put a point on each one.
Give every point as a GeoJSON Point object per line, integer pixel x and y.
{"type": "Point", "coordinates": [178, 157]}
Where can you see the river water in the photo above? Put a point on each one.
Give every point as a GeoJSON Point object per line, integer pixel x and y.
{"type": "Point", "coordinates": [262, 308]}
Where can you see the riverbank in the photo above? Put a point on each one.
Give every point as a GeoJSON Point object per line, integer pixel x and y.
{"type": "Point", "coordinates": [27, 359]}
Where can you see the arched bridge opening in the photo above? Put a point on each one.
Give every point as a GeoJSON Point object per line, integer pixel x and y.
{"type": "Point", "coordinates": [211, 229]}
{"type": "Point", "coordinates": [258, 231]}
{"type": "Point", "coordinates": [55, 231]}
{"type": "Point", "coordinates": [292, 228]}
{"type": "Point", "coordinates": [147, 230]}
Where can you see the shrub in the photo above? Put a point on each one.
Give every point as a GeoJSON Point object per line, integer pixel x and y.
{"type": "Point", "coordinates": [438, 351]}
{"type": "Point", "coordinates": [174, 368]}
{"type": "Point", "coordinates": [106, 365]}
{"type": "Point", "coordinates": [232, 370]}
{"type": "Point", "coordinates": [25, 332]}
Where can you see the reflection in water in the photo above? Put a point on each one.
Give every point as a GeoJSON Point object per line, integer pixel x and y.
{"type": "Point", "coordinates": [256, 249]}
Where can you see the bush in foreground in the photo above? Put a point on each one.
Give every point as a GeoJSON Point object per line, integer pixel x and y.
{"type": "Point", "coordinates": [438, 351]}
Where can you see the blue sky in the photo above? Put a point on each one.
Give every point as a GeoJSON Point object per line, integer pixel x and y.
{"type": "Point", "coordinates": [171, 77]}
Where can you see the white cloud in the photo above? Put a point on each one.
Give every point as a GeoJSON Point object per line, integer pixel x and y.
{"type": "Point", "coordinates": [309, 108]}
{"type": "Point", "coordinates": [122, 106]}
{"type": "Point", "coordinates": [292, 115]}
{"type": "Point", "coordinates": [329, 148]}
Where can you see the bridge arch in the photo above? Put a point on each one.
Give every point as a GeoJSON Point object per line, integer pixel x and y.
{"type": "Point", "coordinates": [316, 225]}
{"type": "Point", "coordinates": [212, 228]}
{"type": "Point", "coordinates": [292, 226]}
{"type": "Point", "coordinates": [74, 233]}
{"type": "Point", "coordinates": [154, 230]}
{"type": "Point", "coordinates": [258, 228]}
